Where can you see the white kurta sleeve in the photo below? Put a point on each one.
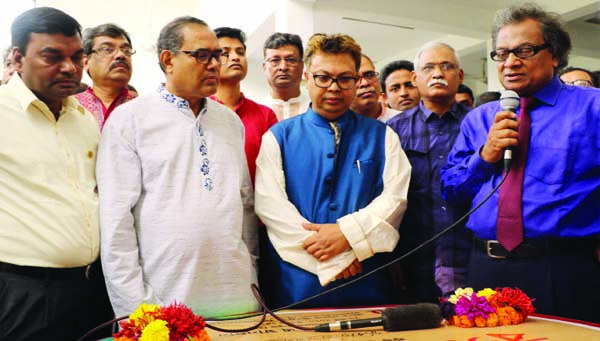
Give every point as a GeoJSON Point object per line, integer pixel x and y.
{"type": "Point", "coordinates": [118, 172]}
{"type": "Point", "coordinates": [375, 228]}
{"type": "Point", "coordinates": [249, 223]}
{"type": "Point", "coordinates": [283, 221]}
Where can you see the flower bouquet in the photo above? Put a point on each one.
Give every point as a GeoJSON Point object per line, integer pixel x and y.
{"type": "Point", "coordinates": [486, 308]}
{"type": "Point", "coordinates": [150, 322]}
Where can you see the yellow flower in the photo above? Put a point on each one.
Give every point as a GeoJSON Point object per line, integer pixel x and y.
{"type": "Point", "coordinates": [487, 292]}
{"type": "Point", "coordinates": [144, 314]}
{"type": "Point", "coordinates": [155, 331]}
{"type": "Point", "coordinates": [460, 292]}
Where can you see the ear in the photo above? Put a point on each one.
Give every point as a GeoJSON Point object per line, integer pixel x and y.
{"type": "Point", "coordinates": [86, 67]}
{"type": "Point", "coordinates": [306, 75]}
{"type": "Point", "coordinates": [413, 77]}
{"type": "Point", "coordinates": [461, 75]}
{"type": "Point", "coordinates": [17, 59]}
{"type": "Point", "coordinates": [165, 58]}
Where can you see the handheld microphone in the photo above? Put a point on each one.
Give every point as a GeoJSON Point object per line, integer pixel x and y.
{"type": "Point", "coordinates": [509, 101]}
{"type": "Point", "coordinates": [409, 317]}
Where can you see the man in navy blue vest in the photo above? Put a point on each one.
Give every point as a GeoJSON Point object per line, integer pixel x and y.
{"type": "Point", "coordinates": [331, 188]}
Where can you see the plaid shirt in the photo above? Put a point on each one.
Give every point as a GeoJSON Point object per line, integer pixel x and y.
{"type": "Point", "coordinates": [427, 139]}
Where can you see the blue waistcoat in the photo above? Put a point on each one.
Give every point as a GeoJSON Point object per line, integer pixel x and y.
{"type": "Point", "coordinates": [324, 185]}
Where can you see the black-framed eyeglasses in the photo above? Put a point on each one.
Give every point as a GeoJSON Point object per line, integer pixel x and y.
{"type": "Point", "coordinates": [203, 56]}
{"type": "Point", "coordinates": [343, 82]}
{"type": "Point", "coordinates": [370, 76]}
{"type": "Point", "coordinates": [289, 61]}
{"type": "Point", "coordinates": [523, 51]}
{"type": "Point", "coordinates": [111, 50]}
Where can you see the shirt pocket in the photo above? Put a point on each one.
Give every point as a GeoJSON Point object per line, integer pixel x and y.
{"type": "Point", "coordinates": [551, 164]}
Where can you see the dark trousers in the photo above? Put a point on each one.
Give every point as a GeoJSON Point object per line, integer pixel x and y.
{"type": "Point", "coordinates": [33, 308]}
{"type": "Point", "coordinates": [566, 285]}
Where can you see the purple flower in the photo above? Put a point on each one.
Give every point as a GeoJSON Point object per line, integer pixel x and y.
{"type": "Point", "coordinates": [476, 306]}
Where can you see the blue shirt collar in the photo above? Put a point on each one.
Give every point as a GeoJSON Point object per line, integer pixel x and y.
{"type": "Point", "coordinates": [549, 94]}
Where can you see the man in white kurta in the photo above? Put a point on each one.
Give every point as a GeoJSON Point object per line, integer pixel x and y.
{"type": "Point", "coordinates": [176, 206]}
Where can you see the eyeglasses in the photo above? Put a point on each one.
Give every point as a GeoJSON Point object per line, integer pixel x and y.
{"type": "Point", "coordinates": [343, 82]}
{"type": "Point", "coordinates": [203, 56]}
{"type": "Point", "coordinates": [110, 50]}
{"type": "Point", "coordinates": [581, 82]}
{"type": "Point", "coordinates": [290, 61]}
{"type": "Point", "coordinates": [522, 51]}
{"type": "Point", "coordinates": [370, 76]}
{"type": "Point", "coordinates": [445, 67]}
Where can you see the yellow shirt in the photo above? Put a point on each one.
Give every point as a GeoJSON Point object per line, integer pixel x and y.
{"type": "Point", "coordinates": [48, 197]}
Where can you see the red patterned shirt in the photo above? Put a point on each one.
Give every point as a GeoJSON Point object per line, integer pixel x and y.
{"type": "Point", "coordinates": [91, 102]}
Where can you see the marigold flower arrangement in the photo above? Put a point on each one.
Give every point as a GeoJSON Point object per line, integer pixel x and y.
{"type": "Point", "coordinates": [486, 308]}
{"type": "Point", "coordinates": [151, 322]}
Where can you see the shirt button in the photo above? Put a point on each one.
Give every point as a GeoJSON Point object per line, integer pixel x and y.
{"type": "Point", "coordinates": [443, 208]}
{"type": "Point", "coordinates": [328, 180]}
{"type": "Point", "coordinates": [441, 157]}
{"type": "Point", "coordinates": [330, 155]}
{"type": "Point", "coordinates": [333, 206]}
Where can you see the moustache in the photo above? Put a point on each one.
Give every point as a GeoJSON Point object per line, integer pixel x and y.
{"type": "Point", "coordinates": [119, 64]}
{"type": "Point", "coordinates": [438, 81]}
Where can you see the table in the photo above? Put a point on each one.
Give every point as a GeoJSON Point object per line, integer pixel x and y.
{"type": "Point", "coordinates": [535, 329]}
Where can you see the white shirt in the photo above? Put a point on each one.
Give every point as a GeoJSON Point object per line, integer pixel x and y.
{"type": "Point", "coordinates": [165, 235]}
{"type": "Point", "coordinates": [290, 108]}
{"type": "Point", "coordinates": [48, 200]}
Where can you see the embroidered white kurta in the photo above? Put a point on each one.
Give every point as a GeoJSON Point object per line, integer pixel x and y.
{"type": "Point", "coordinates": [176, 207]}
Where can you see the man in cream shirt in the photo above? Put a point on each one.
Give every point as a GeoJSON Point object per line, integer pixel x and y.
{"type": "Point", "coordinates": [49, 236]}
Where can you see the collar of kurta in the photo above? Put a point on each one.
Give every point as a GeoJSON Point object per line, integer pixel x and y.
{"type": "Point", "coordinates": [323, 122]}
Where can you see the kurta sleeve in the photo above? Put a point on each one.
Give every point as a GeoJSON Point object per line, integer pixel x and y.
{"type": "Point", "coordinates": [284, 221]}
{"type": "Point", "coordinates": [375, 228]}
{"type": "Point", "coordinates": [119, 177]}
{"type": "Point", "coordinates": [249, 223]}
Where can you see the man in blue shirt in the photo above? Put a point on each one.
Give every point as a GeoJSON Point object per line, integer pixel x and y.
{"type": "Point", "coordinates": [427, 133]}
{"type": "Point", "coordinates": [331, 188]}
{"type": "Point", "coordinates": [556, 263]}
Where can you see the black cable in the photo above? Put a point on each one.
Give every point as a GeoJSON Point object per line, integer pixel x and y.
{"type": "Point", "coordinates": [266, 311]}
{"type": "Point", "coordinates": [441, 233]}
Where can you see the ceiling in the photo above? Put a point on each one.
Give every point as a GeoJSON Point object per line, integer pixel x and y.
{"type": "Point", "coordinates": [386, 29]}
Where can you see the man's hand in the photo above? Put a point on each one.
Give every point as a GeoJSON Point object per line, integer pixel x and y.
{"type": "Point", "coordinates": [353, 269]}
{"type": "Point", "coordinates": [327, 242]}
{"type": "Point", "coordinates": [503, 133]}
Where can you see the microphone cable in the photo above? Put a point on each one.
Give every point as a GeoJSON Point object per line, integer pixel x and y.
{"type": "Point", "coordinates": [267, 311]}
{"type": "Point", "coordinates": [290, 306]}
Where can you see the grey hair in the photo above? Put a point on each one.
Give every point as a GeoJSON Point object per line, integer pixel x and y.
{"type": "Point", "coordinates": [432, 45]}
{"type": "Point", "coordinates": [553, 28]}
{"type": "Point", "coordinates": [171, 38]}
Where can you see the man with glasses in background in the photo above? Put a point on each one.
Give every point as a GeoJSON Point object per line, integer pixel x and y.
{"type": "Point", "coordinates": [283, 68]}
{"type": "Point", "coordinates": [108, 53]}
{"type": "Point", "coordinates": [176, 203]}
{"type": "Point", "coordinates": [368, 95]}
{"type": "Point", "coordinates": [331, 189]}
{"type": "Point", "coordinates": [578, 76]}
{"type": "Point", "coordinates": [539, 231]}
{"type": "Point", "coordinates": [427, 133]}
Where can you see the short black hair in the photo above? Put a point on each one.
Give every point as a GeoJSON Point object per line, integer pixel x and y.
{"type": "Point", "coordinates": [278, 40]}
{"type": "Point", "coordinates": [104, 30]}
{"type": "Point", "coordinates": [230, 32]}
{"type": "Point", "coordinates": [463, 89]}
{"type": "Point", "coordinates": [170, 37]}
{"type": "Point", "coordinates": [488, 96]}
{"type": "Point", "coordinates": [572, 68]}
{"type": "Point", "coordinates": [396, 65]}
{"type": "Point", "coordinates": [42, 20]}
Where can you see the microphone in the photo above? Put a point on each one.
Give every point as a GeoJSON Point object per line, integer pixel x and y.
{"type": "Point", "coordinates": [509, 101]}
{"type": "Point", "coordinates": [408, 317]}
